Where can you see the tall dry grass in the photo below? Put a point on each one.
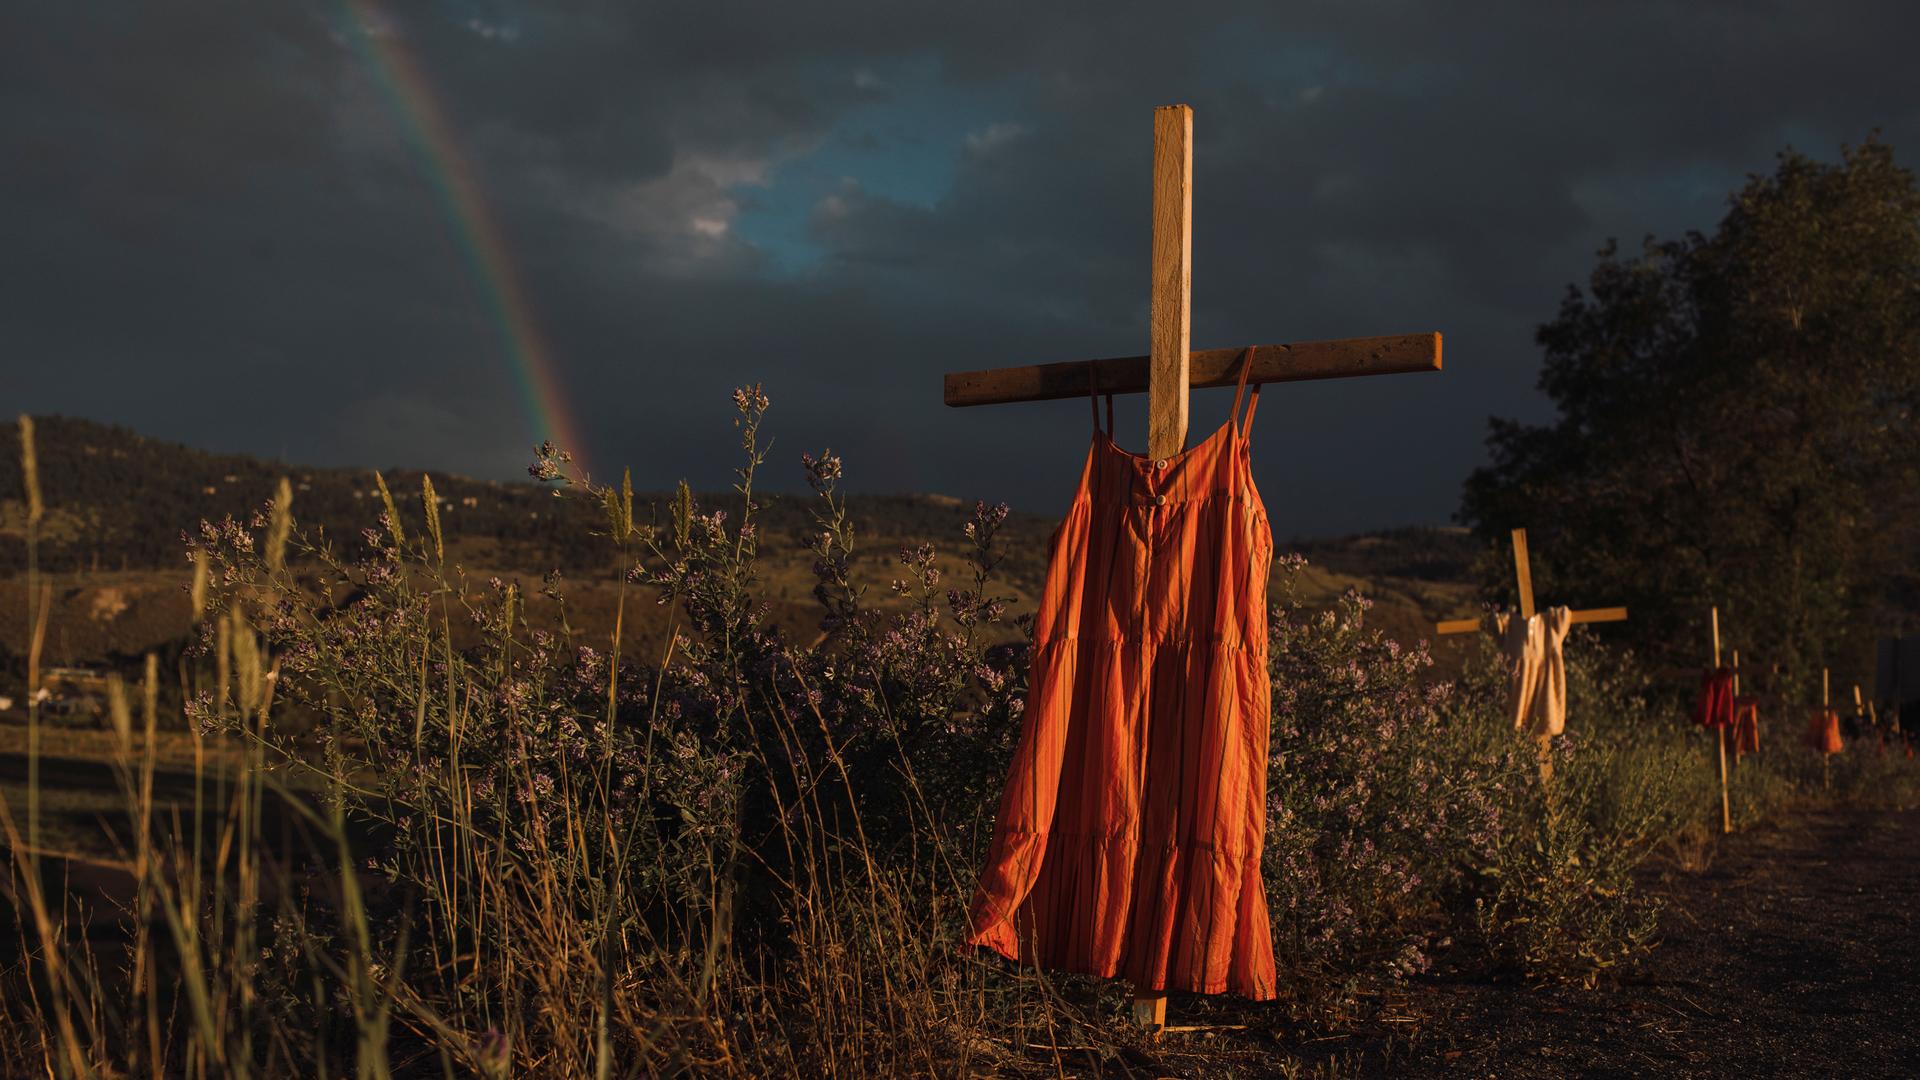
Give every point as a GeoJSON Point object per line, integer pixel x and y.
{"type": "Point", "coordinates": [495, 863]}
{"type": "Point", "coordinates": [426, 834]}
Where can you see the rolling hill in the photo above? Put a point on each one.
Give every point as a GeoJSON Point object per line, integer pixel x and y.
{"type": "Point", "coordinates": [118, 503]}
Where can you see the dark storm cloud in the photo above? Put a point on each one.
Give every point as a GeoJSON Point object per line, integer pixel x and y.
{"type": "Point", "coordinates": [218, 229]}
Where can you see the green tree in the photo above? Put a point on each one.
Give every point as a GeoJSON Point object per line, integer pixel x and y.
{"type": "Point", "coordinates": [1736, 424]}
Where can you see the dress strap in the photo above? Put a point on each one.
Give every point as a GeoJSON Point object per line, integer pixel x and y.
{"type": "Point", "coordinates": [1253, 400]}
{"type": "Point", "coordinates": [1093, 397]}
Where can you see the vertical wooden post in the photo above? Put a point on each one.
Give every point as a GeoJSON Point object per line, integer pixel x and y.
{"type": "Point", "coordinates": [1826, 759]}
{"type": "Point", "coordinates": [1170, 318]}
{"type": "Point", "coordinates": [1859, 711]}
{"type": "Point", "coordinates": [1736, 702]}
{"type": "Point", "coordinates": [1523, 576]}
{"type": "Point", "coordinates": [1726, 804]}
{"type": "Point", "coordinates": [1169, 327]}
{"type": "Point", "coordinates": [1523, 570]}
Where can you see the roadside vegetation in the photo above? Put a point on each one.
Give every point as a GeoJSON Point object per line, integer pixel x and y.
{"type": "Point", "coordinates": [535, 854]}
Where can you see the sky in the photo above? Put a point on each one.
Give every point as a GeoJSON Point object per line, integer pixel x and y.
{"type": "Point", "coordinates": [435, 233]}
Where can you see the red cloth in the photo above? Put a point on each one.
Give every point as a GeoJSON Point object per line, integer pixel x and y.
{"type": "Point", "coordinates": [1130, 831]}
{"type": "Point", "coordinates": [1714, 709]}
{"type": "Point", "coordinates": [1823, 731]}
{"type": "Point", "coordinates": [1746, 725]}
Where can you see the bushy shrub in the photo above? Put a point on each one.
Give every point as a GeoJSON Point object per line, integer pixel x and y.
{"type": "Point", "coordinates": [1404, 810]}
{"type": "Point", "coordinates": [1558, 899]}
{"type": "Point", "coordinates": [1378, 802]}
{"type": "Point", "coordinates": [530, 853]}
{"type": "Point", "coordinates": [747, 827]}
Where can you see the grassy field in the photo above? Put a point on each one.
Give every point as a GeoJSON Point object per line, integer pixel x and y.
{"type": "Point", "coordinates": [413, 807]}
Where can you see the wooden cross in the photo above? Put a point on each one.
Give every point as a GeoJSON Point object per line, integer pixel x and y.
{"type": "Point", "coordinates": [1523, 573]}
{"type": "Point", "coordinates": [1171, 367]}
{"type": "Point", "coordinates": [1713, 615]}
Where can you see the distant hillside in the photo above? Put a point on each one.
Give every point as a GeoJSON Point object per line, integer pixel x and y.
{"type": "Point", "coordinates": [117, 503]}
{"type": "Point", "coordinates": [117, 499]}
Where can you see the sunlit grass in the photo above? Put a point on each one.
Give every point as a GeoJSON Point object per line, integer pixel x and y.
{"type": "Point", "coordinates": [399, 829]}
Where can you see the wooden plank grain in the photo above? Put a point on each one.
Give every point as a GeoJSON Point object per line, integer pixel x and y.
{"type": "Point", "coordinates": [1523, 573]}
{"type": "Point", "coordinates": [1588, 615]}
{"type": "Point", "coordinates": [1302, 361]}
{"type": "Point", "coordinates": [1170, 317]}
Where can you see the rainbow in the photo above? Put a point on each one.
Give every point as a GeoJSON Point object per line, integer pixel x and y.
{"type": "Point", "coordinates": [402, 79]}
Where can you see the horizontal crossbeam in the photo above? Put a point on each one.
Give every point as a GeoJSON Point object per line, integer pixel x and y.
{"type": "Point", "coordinates": [1297, 362]}
{"type": "Point", "coordinates": [1590, 615]}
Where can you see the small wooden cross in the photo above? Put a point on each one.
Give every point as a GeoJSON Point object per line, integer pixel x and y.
{"type": "Point", "coordinates": [1171, 368]}
{"type": "Point", "coordinates": [1523, 573]}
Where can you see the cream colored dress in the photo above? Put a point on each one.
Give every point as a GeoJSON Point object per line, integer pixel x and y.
{"type": "Point", "coordinates": [1537, 669]}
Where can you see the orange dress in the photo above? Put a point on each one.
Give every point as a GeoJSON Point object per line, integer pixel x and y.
{"type": "Point", "coordinates": [1129, 834]}
{"type": "Point", "coordinates": [1823, 732]}
{"type": "Point", "coordinates": [1746, 726]}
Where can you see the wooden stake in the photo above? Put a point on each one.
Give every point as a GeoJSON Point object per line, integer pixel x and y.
{"type": "Point", "coordinates": [1826, 759]}
{"type": "Point", "coordinates": [1169, 318]}
{"type": "Point", "coordinates": [1726, 804]}
{"type": "Point", "coordinates": [1169, 322]}
{"type": "Point", "coordinates": [1523, 570]}
{"type": "Point", "coordinates": [1860, 710]}
{"type": "Point", "coordinates": [1150, 1011]}
{"type": "Point", "coordinates": [1736, 703]}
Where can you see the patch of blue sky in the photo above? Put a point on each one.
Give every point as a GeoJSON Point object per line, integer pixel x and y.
{"type": "Point", "coordinates": [904, 139]}
{"type": "Point", "coordinates": [902, 142]}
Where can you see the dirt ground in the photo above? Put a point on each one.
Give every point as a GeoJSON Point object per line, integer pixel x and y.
{"type": "Point", "coordinates": [1795, 952]}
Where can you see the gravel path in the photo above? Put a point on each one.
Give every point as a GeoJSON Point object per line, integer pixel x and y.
{"type": "Point", "coordinates": [1795, 952]}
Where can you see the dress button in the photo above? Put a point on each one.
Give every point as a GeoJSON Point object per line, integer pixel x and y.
{"type": "Point", "coordinates": [1161, 464]}
{"type": "Point", "coordinates": [1159, 500]}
